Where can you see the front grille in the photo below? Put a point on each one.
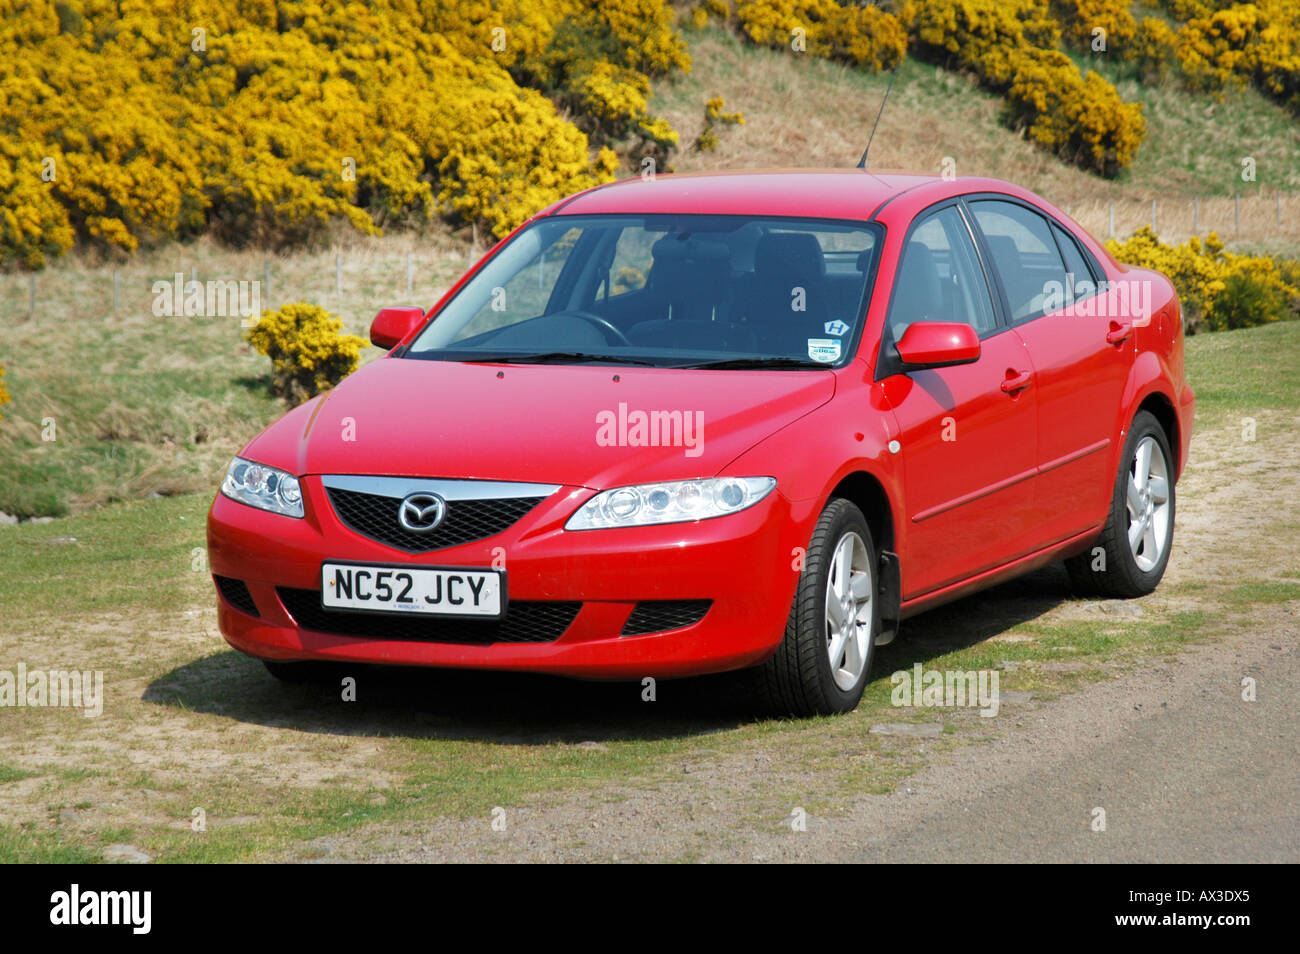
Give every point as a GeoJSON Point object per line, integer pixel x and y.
{"type": "Point", "coordinates": [235, 592]}
{"type": "Point", "coordinates": [375, 516]}
{"type": "Point", "coordinates": [524, 622]}
{"type": "Point", "coordinates": [655, 616]}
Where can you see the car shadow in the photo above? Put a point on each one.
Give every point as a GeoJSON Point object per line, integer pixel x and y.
{"type": "Point", "coordinates": [531, 709]}
{"type": "Point", "coordinates": [965, 622]}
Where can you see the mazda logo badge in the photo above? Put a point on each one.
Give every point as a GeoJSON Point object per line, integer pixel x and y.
{"type": "Point", "coordinates": [421, 512]}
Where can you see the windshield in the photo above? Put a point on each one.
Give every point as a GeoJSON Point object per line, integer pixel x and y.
{"type": "Point", "coordinates": [666, 290]}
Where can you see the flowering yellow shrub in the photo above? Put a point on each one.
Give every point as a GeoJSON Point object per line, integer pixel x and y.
{"type": "Point", "coordinates": [1153, 49]}
{"type": "Point", "coordinates": [130, 121]}
{"type": "Point", "coordinates": [982, 36]}
{"type": "Point", "coordinates": [699, 15]}
{"type": "Point", "coordinates": [594, 57]}
{"type": "Point", "coordinates": [1079, 18]}
{"type": "Point", "coordinates": [1080, 118]}
{"type": "Point", "coordinates": [1217, 289]}
{"type": "Point", "coordinates": [308, 355]}
{"type": "Point", "coordinates": [708, 140]}
{"type": "Point", "coordinates": [4, 395]}
{"type": "Point", "coordinates": [865, 36]}
{"type": "Point", "coordinates": [33, 224]}
{"type": "Point", "coordinates": [1010, 47]}
{"type": "Point", "coordinates": [1257, 42]}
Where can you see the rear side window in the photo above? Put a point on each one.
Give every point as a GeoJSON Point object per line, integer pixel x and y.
{"type": "Point", "coordinates": [1081, 284]}
{"type": "Point", "coordinates": [1025, 257]}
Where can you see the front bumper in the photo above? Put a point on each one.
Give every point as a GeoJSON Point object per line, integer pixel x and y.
{"type": "Point", "coordinates": [744, 563]}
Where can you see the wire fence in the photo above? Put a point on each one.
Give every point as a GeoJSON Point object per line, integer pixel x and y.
{"type": "Point", "coordinates": [1241, 217]}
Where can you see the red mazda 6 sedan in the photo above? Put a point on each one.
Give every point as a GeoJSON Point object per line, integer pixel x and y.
{"type": "Point", "coordinates": [718, 422]}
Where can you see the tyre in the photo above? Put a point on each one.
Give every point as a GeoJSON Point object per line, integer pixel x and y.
{"type": "Point", "coordinates": [824, 659]}
{"type": "Point", "coordinates": [1131, 555]}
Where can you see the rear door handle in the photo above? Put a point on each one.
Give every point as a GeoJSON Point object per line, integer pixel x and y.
{"type": "Point", "coordinates": [1016, 380]}
{"type": "Point", "coordinates": [1119, 332]}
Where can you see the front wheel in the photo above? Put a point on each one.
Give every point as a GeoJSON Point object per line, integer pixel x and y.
{"type": "Point", "coordinates": [823, 661]}
{"type": "Point", "coordinates": [1131, 555]}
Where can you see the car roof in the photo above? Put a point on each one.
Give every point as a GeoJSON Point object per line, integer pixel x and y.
{"type": "Point", "coordinates": [814, 193]}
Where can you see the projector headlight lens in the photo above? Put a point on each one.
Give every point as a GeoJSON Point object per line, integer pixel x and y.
{"type": "Point", "coordinates": [673, 502]}
{"type": "Point", "coordinates": [265, 488]}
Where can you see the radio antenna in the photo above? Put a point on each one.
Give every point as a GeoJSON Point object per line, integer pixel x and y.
{"type": "Point", "coordinates": [862, 163]}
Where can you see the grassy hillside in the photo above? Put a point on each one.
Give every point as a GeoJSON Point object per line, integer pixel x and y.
{"type": "Point", "coordinates": [802, 111]}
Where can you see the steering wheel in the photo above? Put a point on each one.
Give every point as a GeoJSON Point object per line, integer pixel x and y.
{"type": "Point", "coordinates": [603, 324]}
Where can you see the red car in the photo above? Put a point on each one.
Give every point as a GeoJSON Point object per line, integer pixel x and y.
{"type": "Point", "coordinates": [705, 423]}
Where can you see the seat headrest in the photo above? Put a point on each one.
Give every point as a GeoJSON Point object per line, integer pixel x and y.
{"type": "Point", "coordinates": [789, 253]}
{"type": "Point", "coordinates": [693, 274]}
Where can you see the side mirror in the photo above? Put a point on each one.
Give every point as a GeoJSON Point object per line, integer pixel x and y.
{"type": "Point", "coordinates": [937, 344]}
{"type": "Point", "coordinates": [391, 325]}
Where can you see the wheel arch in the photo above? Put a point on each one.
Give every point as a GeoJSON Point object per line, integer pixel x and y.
{"type": "Point", "coordinates": [1159, 405]}
{"type": "Point", "coordinates": [867, 493]}
{"type": "Point", "coordinates": [1150, 389]}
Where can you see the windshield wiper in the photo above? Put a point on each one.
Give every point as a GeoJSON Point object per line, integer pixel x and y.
{"type": "Point", "coordinates": [556, 357]}
{"type": "Point", "coordinates": [771, 362]}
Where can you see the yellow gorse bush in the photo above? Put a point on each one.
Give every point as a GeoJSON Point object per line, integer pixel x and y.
{"type": "Point", "coordinates": [1080, 118]}
{"type": "Point", "coordinates": [714, 117]}
{"type": "Point", "coordinates": [1010, 47]}
{"type": "Point", "coordinates": [865, 36]}
{"type": "Point", "coordinates": [1251, 42]}
{"type": "Point", "coordinates": [1218, 289]}
{"type": "Point", "coordinates": [308, 354]}
{"type": "Point", "coordinates": [140, 120]}
{"type": "Point", "coordinates": [1080, 18]}
{"type": "Point", "coordinates": [4, 394]}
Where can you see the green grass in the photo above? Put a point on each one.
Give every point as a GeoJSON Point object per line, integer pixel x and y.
{"type": "Point", "coordinates": [111, 406]}
{"type": "Point", "coordinates": [1240, 372]}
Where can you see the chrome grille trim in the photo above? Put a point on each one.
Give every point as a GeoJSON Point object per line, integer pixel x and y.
{"type": "Point", "coordinates": [399, 487]}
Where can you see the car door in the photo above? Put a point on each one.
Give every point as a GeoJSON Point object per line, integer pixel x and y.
{"type": "Point", "coordinates": [1081, 355]}
{"type": "Point", "coordinates": [967, 431]}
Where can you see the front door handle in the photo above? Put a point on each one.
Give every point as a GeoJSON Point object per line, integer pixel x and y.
{"type": "Point", "coordinates": [1016, 380]}
{"type": "Point", "coordinates": [1119, 332]}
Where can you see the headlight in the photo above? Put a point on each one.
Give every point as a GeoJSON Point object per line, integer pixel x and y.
{"type": "Point", "coordinates": [674, 502]}
{"type": "Point", "coordinates": [263, 487]}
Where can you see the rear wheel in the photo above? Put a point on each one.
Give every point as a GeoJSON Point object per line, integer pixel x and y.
{"type": "Point", "coordinates": [1131, 555]}
{"type": "Point", "coordinates": [824, 659]}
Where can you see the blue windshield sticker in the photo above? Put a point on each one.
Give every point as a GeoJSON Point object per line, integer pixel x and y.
{"type": "Point", "coordinates": [825, 350]}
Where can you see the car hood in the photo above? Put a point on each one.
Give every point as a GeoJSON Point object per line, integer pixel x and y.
{"type": "Point", "coordinates": [578, 425]}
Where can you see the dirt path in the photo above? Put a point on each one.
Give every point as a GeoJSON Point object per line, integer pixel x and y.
{"type": "Point", "coordinates": [1184, 769]}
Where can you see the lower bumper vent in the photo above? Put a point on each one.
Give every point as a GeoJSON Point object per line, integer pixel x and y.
{"type": "Point", "coordinates": [524, 622]}
{"type": "Point", "coordinates": [655, 616]}
{"type": "Point", "coordinates": [235, 592]}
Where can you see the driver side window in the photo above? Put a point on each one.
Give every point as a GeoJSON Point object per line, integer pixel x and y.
{"type": "Point", "coordinates": [939, 277]}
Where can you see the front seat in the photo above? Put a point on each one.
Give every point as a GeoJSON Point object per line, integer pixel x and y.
{"type": "Point", "coordinates": [784, 264]}
{"type": "Point", "coordinates": [690, 283]}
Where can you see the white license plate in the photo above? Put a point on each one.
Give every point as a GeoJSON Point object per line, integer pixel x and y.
{"type": "Point", "coordinates": [437, 591]}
